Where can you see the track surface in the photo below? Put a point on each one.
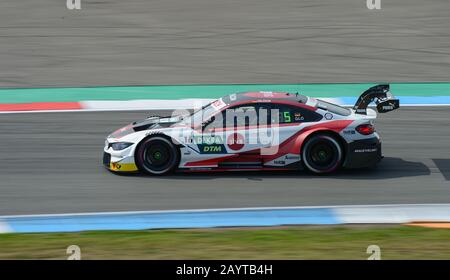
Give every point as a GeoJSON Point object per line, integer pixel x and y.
{"type": "Point", "coordinates": [51, 163]}
{"type": "Point", "coordinates": [116, 42]}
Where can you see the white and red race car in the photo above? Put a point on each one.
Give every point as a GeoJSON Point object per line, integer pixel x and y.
{"type": "Point", "coordinates": [254, 131]}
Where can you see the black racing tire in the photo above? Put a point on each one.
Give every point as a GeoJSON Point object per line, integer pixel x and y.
{"type": "Point", "coordinates": [322, 154]}
{"type": "Point", "coordinates": [157, 155]}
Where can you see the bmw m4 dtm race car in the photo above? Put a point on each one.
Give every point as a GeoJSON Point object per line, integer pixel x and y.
{"type": "Point", "coordinates": [254, 131]}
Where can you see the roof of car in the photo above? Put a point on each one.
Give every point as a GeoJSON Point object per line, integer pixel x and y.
{"type": "Point", "coordinates": [264, 95]}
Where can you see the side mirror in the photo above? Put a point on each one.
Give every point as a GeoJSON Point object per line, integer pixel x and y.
{"type": "Point", "coordinates": [204, 124]}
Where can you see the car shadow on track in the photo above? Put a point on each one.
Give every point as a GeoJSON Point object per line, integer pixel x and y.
{"type": "Point", "coordinates": [444, 167]}
{"type": "Point", "coordinates": [388, 168]}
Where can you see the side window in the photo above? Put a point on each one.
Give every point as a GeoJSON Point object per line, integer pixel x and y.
{"type": "Point", "coordinates": [215, 122]}
{"type": "Point", "coordinates": [244, 115]}
{"type": "Point", "coordinates": [293, 114]}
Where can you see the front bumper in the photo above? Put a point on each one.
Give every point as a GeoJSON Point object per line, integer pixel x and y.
{"type": "Point", "coordinates": [119, 161]}
{"type": "Point", "coordinates": [363, 153]}
{"type": "Point", "coordinates": [121, 165]}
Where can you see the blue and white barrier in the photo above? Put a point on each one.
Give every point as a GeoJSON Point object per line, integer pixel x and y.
{"type": "Point", "coordinates": [242, 217]}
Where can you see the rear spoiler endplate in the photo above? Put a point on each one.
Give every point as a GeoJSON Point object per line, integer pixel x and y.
{"type": "Point", "coordinates": [379, 94]}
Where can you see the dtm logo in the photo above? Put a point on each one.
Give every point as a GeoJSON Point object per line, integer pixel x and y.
{"type": "Point", "coordinates": [212, 149]}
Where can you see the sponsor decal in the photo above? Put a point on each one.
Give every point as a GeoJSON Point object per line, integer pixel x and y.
{"type": "Point", "coordinates": [298, 117]}
{"type": "Point", "coordinates": [235, 141]}
{"type": "Point", "coordinates": [292, 157]}
{"type": "Point", "coordinates": [371, 150]}
{"type": "Point", "coordinates": [209, 144]}
{"type": "Point", "coordinates": [284, 160]}
{"type": "Point", "coordinates": [328, 116]}
{"type": "Point", "coordinates": [267, 94]}
{"type": "Point", "coordinates": [115, 166]}
{"type": "Point", "coordinates": [218, 104]}
{"type": "Point", "coordinates": [209, 140]}
{"type": "Point", "coordinates": [211, 149]}
{"type": "Point", "coordinates": [152, 132]}
{"type": "Point", "coordinates": [349, 132]}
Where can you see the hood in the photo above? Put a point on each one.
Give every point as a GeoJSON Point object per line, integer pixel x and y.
{"type": "Point", "coordinates": [154, 122]}
{"type": "Point", "coordinates": [146, 124]}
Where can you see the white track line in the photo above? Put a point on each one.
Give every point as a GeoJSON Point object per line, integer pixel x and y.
{"type": "Point", "coordinates": [355, 207]}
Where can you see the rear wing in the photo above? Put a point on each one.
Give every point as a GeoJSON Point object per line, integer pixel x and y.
{"type": "Point", "coordinates": [384, 99]}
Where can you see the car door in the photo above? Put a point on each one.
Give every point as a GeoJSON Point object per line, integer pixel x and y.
{"type": "Point", "coordinates": [237, 127]}
{"type": "Point", "coordinates": [287, 121]}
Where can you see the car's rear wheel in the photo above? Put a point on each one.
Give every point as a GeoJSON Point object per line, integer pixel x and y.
{"type": "Point", "coordinates": [322, 154]}
{"type": "Point", "coordinates": [157, 155]}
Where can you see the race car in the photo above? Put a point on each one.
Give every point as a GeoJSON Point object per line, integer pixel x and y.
{"type": "Point", "coordinates": [254, 131]}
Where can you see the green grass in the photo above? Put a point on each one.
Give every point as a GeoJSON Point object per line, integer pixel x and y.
{"type": "Point", "coordinates": [307, 242]}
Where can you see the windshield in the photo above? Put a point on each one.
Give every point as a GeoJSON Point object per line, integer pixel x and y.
{"type": "Point", "coordinates": [204, 113]}
{"type": "Point", "coordinates": [333, 108]}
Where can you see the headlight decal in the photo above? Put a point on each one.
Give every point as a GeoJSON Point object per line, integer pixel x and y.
{"type": "Point", "coordinates": [120, 146]}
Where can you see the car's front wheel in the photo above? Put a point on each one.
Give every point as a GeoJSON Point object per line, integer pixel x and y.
{"type": "Point", "coordinates": [157, 155]}
{"type": "Point", "coordinates": [322, 153]}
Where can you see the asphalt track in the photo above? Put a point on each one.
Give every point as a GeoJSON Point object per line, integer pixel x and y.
{"type": "Point", "coordinates": [51, 163]}
{"type": "Point", "coordinates": [142, 42]}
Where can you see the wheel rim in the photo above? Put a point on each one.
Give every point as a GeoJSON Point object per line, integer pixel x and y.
{"type": "Point", "coordinates": [322, 155]}
{"type": "Point", "coordinates": [158, 157]}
